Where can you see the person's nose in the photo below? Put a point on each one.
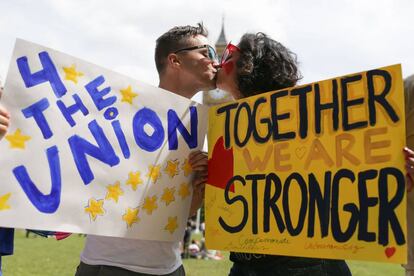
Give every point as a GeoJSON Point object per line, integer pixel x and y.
{"type": "Point", "coordinates": [216, 65]}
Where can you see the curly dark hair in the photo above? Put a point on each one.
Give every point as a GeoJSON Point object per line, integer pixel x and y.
{"type": "Point", "coordinates": [173, 40]}
{"type": "Point", "coordinates": [265, 65]}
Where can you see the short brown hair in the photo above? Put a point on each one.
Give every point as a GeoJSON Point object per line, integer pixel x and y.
{"type": "Point", "coordinates": [173, 40]}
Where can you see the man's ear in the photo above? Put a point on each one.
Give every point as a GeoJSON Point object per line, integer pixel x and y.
{"type": "Point", "coordinates": [173, 60]}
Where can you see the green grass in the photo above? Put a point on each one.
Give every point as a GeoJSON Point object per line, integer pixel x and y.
{"type": "Point", "coordinates": [195, 267]}
{"type": "Point", "coordinates": [37, 256]}
{"type": "Point", "coordinates": [43, 256]}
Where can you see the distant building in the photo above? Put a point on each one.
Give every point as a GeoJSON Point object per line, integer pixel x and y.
{"type": "Point", "coordinates": [218, 96]}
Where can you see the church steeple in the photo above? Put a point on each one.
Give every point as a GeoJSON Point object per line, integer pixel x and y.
{"type": "Point", "coordinates": [217, 96]}
{"type": "Point", "coordinates": [222, 37]}
{"type": "Point", "coordinates": [221, 41]}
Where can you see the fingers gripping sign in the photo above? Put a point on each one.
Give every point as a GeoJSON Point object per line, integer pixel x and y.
{"type": "Point", "coordinates": [409, 164]}
{"type": "Point", "coordinates": [198, 161]}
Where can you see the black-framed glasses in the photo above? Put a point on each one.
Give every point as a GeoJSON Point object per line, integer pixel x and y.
{"type": "Point", "coordinates": [211, 53]}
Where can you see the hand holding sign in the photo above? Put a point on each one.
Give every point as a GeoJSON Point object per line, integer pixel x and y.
{"type": "Point", "coordinates": [409, 164]}
{"type": "Point", "coordinates": [4, 121]}
{"type": "Point", "coordinates": [198, 162]}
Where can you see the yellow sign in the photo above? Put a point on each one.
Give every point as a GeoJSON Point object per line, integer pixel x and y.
{"type": "Point", "coordinates": [315, 170]}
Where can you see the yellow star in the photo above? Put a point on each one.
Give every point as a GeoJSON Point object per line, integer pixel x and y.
{"type": "Point", "coordinates": [131, 216]}
{"type": "Point", "coordinates": [184, 190]}
{"type": "Point", "coordinates": [150, 204]}
{"type": "Point", "coordinates": [154, 172]}
{"type": "Point", "coordinates": [3, 202]}
{"type": "Point", "coordinates": [172, 168]}
{"type": "Point", "coordinates": [187, 168]}
{"type": "Point", "coordinates": [71, 73]}
{"type": "Point", "coordinates": [114, 191]}
{"type": "Point", "coordinates": [94, 208]}
{"type": "Point", "coordinates": [168, 196]}
{"type": "Point", "coordinates": [128, 95]}
{"type": "Point", "coordinates": [17, 140]}
{"type": "Point", "coordinates": [172, 224]}
{"type": "Point", "coordinates": [134, 180]}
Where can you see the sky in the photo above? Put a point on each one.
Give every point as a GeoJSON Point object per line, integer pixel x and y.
{"type": "Point", "coordinates": [330, 38]}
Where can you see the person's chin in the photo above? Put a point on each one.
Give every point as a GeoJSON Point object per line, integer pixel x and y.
{"type": "Point", "coordinates": [219, 86]}
{"type": "Point", "coordinates": [213, 86]}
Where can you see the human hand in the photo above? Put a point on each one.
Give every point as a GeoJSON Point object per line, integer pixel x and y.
{"type": "Point", "coordinates": [409, 164]}
{"type": "Point", "coordinates": [198, 161]}
{"type": "Point", "coordinates": [4, 121]}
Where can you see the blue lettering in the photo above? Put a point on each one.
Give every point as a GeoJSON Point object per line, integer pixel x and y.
{"type": "Point", "coordinates": [97, 95]}
{"type": "Point", "coordinates": [103, 152]}
{"type": "Point", "coordinates": [144, 141]}
{"type": "Point", "coordinates": [121, 138]}
{"type": "Point", "coordinates": [68, 111]}
{"type": "Point", "coordinates": [175, 123]}
{"type": "Point", "coordinates": [44, 203]}
{"type": "Point", "coordinates": [47, 74]}
{"type": "Point", "coordinates": [36, 111]}
{"type": "Point", "coordinates": [111, 113]}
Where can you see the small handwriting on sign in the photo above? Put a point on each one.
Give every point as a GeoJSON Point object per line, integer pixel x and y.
{"type": "Point", "coordinates": [246, 243]}
{"type": "Point", "coordinates": [317, 246]}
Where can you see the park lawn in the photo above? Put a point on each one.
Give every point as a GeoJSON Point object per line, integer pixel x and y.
{"type": "Point", "coordinates": [37, 256]}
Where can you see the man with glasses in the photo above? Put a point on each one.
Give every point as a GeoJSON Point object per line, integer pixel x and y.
{"type": "Point", "coordinates": [186, 65]}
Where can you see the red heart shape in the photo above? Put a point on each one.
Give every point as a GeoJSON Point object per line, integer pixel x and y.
{"type": "Point", "coordinates": [228, 67]}
{"type": "Point", "coordinates": [220, 166]}
{"type": "Point", "coordinates": [389, 251]}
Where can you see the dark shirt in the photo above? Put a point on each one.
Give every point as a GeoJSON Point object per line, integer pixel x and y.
{"type": "Point", "coordinates": [254, 259]}
{"type": "Point", "coordinates": [6, 241]}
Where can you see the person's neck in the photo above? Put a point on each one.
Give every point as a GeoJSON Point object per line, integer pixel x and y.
{"type": "Point", "coordinates": [175, 87]}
